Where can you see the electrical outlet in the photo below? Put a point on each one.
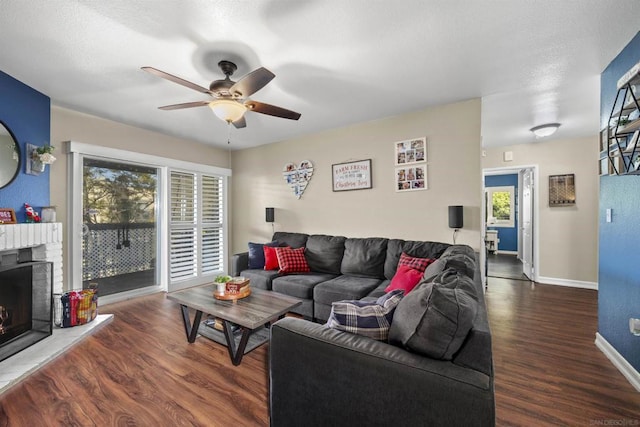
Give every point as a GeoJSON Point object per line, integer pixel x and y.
{"type": "Point", "coordinates": [634, 326]}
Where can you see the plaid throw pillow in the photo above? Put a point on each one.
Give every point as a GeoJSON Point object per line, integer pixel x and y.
{"type": "Point", "coordinates": [419, 264]}
{"type": "Point", "coordinates": [368, 318]}
{"type": "Point", "coordinates": [292, 260]}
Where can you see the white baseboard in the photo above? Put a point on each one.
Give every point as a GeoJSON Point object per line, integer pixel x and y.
{"type": "Point", "coordinates": [618, 361]}
{"type": "Point", "coordinates": [567, 282]}
{"type": "Point", "coordinates": [507, 252]}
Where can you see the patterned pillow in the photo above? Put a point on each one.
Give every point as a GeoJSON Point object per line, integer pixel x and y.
{"type": "Point", "coordinates": [368, 318]}
{"type": "Point", "coordinates": [292, 260]}
{"type": "Point", "coordinates": [419, 264]}
{"type": "Point", "coordinates": [256, 253]}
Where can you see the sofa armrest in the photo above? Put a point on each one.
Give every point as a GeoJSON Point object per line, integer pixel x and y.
{"type": "Point", "coordinates": [239, 263]}
{"type": "Point", "coordinates": [321, 376]}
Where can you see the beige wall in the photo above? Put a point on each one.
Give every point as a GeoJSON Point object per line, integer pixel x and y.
{"type": "Point", "coordinates": [454, 178]}
{"type": "Point", "coordinates": [568, 235]}
{"type": "Point", "coordinates": [67, 125]}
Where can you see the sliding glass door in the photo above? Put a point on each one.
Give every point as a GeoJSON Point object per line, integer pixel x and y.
{"type": "Point", "coordinates": [119, 211]}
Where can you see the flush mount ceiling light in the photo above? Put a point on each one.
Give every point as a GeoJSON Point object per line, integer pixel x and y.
{"type": "Point", "coordinates": [545, 130]}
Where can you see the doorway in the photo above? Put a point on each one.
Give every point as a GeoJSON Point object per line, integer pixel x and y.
{"type": "Point", "coordinates": [510, 202]}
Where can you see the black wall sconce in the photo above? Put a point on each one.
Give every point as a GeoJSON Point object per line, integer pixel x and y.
{"type": "Point", "coordinates": [456, 220]}
{"type": "Point", "coordinates": [269, 214]}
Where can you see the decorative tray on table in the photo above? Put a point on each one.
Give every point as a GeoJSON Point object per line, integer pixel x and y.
{"type": "Point", "coordinates": [234, 289]}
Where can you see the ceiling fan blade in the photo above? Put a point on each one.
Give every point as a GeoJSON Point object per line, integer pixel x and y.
{"type": "Point", "coordinates": [184, 105]}
{"type": "Point", "coordinates": [272, 110]}
{"type": "Point", "coordinates": [176, 79]}
{"type": "Point", "coordinates": [251, 83]}
{"type": "Point", "coordinates": [240, 123]}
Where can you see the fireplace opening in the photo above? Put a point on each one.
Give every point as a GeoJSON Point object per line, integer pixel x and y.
{"type": "Point", "coordinates": [26, 297]}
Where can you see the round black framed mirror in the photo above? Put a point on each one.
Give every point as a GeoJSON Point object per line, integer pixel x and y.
{"type": "Point", "coordinates": [9, 156]}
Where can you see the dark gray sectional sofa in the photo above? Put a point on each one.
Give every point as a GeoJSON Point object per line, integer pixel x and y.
{"type": "Point", "coordinates": [322, 376]}
{"type": "Point", "coordinates": [341, 268]}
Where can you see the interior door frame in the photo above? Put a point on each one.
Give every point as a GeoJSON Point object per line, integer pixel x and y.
{"type": "Point", "coordinates": [536, 210]}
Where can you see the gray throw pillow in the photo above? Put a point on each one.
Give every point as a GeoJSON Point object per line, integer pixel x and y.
{"type": "Point", "coordinates": [435, 318]}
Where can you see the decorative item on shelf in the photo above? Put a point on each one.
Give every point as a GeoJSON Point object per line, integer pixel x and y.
{"type": "Point", "coordinates": [7, 216]}
{"type": "Point", "coordinates": [354, 175]}
{"type": "Point", "coordinates": [49, 214]}
{"type": "Point", "coordinates": [32, 215]}
{"type": "Point", "coordinates": [39, 158]}
{"type": "Point", "coordinates": [298, 176]}
{"type": "Point", "coordinates": [545, 130]}
{"type": "Point", "coordinates": [562, 190]}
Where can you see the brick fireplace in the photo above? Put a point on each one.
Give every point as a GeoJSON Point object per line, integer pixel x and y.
{"type": "Point", "coordinates": [30, 254]}
{"type": "Point", "coordinates": [44, 240]}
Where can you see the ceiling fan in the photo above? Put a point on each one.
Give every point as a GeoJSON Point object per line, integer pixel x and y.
{"type": "Point", "coordinates": [230, 99]}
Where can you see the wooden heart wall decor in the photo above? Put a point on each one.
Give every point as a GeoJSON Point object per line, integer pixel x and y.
{"type": "Point", "coordinates": [298, 176]}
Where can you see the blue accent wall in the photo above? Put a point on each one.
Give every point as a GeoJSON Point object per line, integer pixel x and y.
{"type": "Point", "coordinates": [27, 113]}
{"type": "Point", "coordinates": [508, 235]}
{"type": "Point", "coordinates": [618, 253]}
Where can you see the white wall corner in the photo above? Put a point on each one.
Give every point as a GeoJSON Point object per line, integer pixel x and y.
{"type": "Point", "coordinates": [618, 361]}
{"type": "Point", "coordinates": [567, 282]}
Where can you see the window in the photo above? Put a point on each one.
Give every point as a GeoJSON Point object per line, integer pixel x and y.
{"type": "Point", "coordinates": [196, 226]}
{"type": "Point", "coordinates": [501, 206]}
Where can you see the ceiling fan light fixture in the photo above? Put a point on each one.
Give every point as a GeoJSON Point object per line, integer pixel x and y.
{"type": "Point", "coordinates": [545, 130]}
{"type": "Point", "coordinates": [227, 110]}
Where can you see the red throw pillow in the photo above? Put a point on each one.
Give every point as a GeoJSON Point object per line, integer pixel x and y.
{"type": "Point", "coordinates": [270, 258]}
{"type": "Point", "coordinates": [419, 264]}
{"type": "Point", "coordinates": [406, 278]}
{"type": "Point", "coordinates": [292, 260]}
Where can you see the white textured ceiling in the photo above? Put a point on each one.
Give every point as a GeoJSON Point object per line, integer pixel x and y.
{"type": "Point", "coordinates": [337, 62]}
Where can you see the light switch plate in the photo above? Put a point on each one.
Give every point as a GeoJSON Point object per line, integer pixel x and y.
{"type": "Point", "coordinates": [608, 215]}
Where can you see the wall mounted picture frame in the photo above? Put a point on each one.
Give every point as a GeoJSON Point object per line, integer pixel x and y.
{"type": "Point", "coordinates": [7, 216]}
{"type": "Point", "coordinates": [411, 178]}
{"type": "Point", "coordinates": [410, 151]}
{"type": "Point", "coordinates": [354, 175]}
{"type": "Point", "coordinates": [562, 190]}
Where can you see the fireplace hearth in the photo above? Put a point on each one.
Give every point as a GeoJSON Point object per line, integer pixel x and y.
{"type": "Point", "coordinates": [26, 296]}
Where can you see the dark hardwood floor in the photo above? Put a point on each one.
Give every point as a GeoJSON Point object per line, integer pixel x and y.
{"type": "Point", "coordinates": [140, 371]}
{"type": "Point", "coordinates": [505, 266]}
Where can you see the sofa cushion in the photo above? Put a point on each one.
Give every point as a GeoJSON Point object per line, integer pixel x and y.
{"type": "Point", "coordinates": [260, 279]}
{"type": "Point", "coordinates": [324, 253]}
{"type": "Point", "coordinates": [433, 270]}
{"type": "Point", "coordinates": [459, 249]}
{"type": "Point", "coordinates": [406, 279]}
{"type": "Point", "coordinates": [292, 260]}
{"type": "Point", "coordinates": [256, 253]}
{"type": "Point", "coordinates": [299, 285]}
{"type": "Point", "coordinates": [435, 318]}
{"type": "Point", "coordinates": [395, 247]}
{"type": "Point", "coordinates": [364, 257]}
{"type": "Point", "coordinates": [344, 288]}
{"type": "Point", "coordinates": [270, 258]}
{"type": "Point", "coordinates": [461, 263]}
{"type": "Point", "coordinates": [379, 290]}
{"type": "Point", "coordinates": [368, 318]}
{"type": "Point", "coordinates": [294, 240]}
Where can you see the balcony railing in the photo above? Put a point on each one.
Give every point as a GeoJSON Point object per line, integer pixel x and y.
{"type": "Point", "coordinates": [114, 249]}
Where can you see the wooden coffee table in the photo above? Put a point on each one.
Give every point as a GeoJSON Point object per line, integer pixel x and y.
{"type": "Point", "coordinates": [252, 314]}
